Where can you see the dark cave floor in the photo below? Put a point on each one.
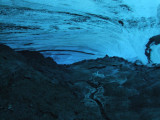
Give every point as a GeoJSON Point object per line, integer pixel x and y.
{"type": "Point", "coordinates": [36, 88]}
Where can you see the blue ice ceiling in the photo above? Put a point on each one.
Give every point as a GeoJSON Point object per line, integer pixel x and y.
{"type": "Point", "coordinates": [74, 30]}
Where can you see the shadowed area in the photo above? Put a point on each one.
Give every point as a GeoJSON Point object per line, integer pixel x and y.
{"type": "Point", "coordinates": [37, 88]}
{"type": "Point", "coordinates": [79, 59]}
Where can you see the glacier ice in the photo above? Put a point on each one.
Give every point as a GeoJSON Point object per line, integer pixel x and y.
{"type": "Point", "coordinates": [72, 30]}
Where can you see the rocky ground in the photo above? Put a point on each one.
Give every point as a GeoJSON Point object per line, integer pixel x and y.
{"type": "Point", "coordinates": [36, 88]}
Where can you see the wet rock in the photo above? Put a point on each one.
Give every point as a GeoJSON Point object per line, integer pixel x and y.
{"type": "Point", "coordinates": [35, 87]}
{"type": "Point", "coordinates": [27, 93]}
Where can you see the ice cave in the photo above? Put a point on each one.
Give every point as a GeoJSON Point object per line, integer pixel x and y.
{"type": "Point", "coordinates": [79, 59]}
{"type": "Point", "coordinates": [77, 30]}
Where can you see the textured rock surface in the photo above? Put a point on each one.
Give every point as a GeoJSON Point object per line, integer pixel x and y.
{"type": "Point", "coordinates": [29, 89]}
{"type": "Point", "coordinates": [36, 88]}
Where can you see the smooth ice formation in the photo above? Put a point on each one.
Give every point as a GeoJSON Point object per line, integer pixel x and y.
{"type": "Point", "coordinates": [72, 30]}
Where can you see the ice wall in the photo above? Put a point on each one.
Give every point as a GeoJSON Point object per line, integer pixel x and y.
{"type": "Point", "coordinates": [143, 8]}
{"type": "Point", "coordinates": [74, 30]}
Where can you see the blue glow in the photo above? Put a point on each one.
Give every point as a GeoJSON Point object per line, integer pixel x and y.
{"type": "Point", "coordinates": [90, 26]}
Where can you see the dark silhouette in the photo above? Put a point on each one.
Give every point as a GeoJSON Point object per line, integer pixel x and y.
{"type": "Point", "coordinates": [155, 40]}
{"type": "Point", "coordinates": [121, 22]}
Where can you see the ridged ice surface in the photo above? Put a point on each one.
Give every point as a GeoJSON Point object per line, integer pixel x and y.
{"type": "Point", "coordinates": [73, 30]}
